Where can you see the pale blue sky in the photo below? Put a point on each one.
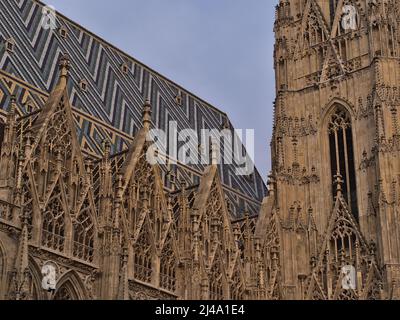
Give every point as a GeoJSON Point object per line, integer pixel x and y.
{"type": "Point", "coordinates": [221, 50]}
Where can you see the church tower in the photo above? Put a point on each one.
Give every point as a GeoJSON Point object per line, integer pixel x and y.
{"type": "Point", "coordinates": [336, 148]}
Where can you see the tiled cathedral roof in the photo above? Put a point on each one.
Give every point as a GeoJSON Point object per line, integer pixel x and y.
{"type": "Point", "coordinates": [110, 107]}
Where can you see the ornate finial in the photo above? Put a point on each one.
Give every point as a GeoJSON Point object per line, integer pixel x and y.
{"type": "Point", "coordinates": [183, 184]}
{"type": "Point", "coordinates": [125, 254]}
{"type": "Point", "coordinates": [226, 124]}
{"type": "Point", "coordinates": [119, 180]}
{"type": "Point", "coordinates": [295, 150]}
{"type": "Point", "coordinates": [28, 141]}
{"type": "Point", "coordinates": [146, 114]}
{"type": "Point", "coordinates": [313, 262]}
{"type": "Point", "coordinates": [64, 65]}
{"type": "Point", "coordinates": [106, 148]}
{"type": "Point", "coordinates": [236, 231]}
{"type": "Point", "coordinates": [271, 184]}
{"type": "Point", "coordinates": [338, 182]}
{"type": "Point", "coordinates": [169, 203]}
{"type": "Point", "coordinates": [21, 156]}
{"type": "Point", "coordinates": [11, 111]}
{"type": "Point", "coordinates": [13, 104]}
{"type": "Point", "coordinates": [59, 155]}
{"type": "Point", "coordinates": [213, 151]}
{"type": "Point", "coordinates": [257, 243]}
{"type": "Point", "coordinates": [215, 225]}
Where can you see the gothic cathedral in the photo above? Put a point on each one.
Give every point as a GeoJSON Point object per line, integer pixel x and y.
{"type": "Point", "coordinates": [84, 215]}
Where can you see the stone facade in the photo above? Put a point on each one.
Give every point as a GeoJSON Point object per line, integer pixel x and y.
{"type": "Point", "coordinates": [110, 228]}
{"type": "Point", "coordinates": [335, 147]}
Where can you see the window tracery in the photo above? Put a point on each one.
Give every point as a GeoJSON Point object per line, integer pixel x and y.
{"type": "Point", "coordinates": [143, 257]}
{"type": "Point", "coordinates": [27, 202]}
{"type": "Point", "coordinates": [344, 247]}
{"type": "Point", "coordinates": [83, 228]}
{"type": "Point", "coordinates": [58, 135]}
{"type": "Point", "coordinates": [140, 196]}
{"type": "Point", "coordinates": [168, 266]}
{"type": "Point", "coordinates": [64, 293]}
{"type": "Point", "coordinates": [342, 155]}
{"type": "Point", "coordinates": [216, 284]}
{"type": "Point", "coordinates": [236, 286]}
{"type": "Point", "coordinates": [53, 226]}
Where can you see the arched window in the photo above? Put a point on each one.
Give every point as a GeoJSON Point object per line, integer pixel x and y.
{"type": "Point", "coordinates": [342, 156]}
{"type": "Point", "coordinates": [63, 294]}
{"type": "Point", "coordinates": [66, 292]}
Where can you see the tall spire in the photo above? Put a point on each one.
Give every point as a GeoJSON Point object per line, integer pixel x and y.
{"type": "Point", "coordinates": [213, 152]}
{"type": "Point", "coordinates": [146, 114]}
{"type": "Point", "coordinates": [64, 65]}
{"type": "Point", "coordinates": [20, 275]}
{"type": "Point", "coordinates": [123, 287]}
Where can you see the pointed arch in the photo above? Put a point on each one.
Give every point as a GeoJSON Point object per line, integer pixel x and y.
{"type": "Point", "coordinates": [343, 245]}
{"type": "Point", "coordinates": [358, 18]}
{"type": "Point", "coordinates": [341, 151]}
{"type": "Point", "coordinates": [312, 16]}
{"type": "Point", "coordinates": [315, 30]}
{"type": "Point", "coordinates": [146, 218]}
{"type": "Point", "coordinates": [57, 177]}
{"type": "Point", "coordinates": [140, 194]}
{"type": "Point", "coordinates": [54, 131]}
{"type": "Point", "coordinates": [316, 291]}
{"type": "Point", "coordinates": [70, 287]}
{"type": "Point", "coordinates": [373, 284]}
{"type": "Point", "coordinates": [143, 196]}
{"type": "Point", "coordinates": [215, 243]}
{"type": "Point", "coordinates": [329, 108]}
{"type": "Point", "coordinates": [214, 218]}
